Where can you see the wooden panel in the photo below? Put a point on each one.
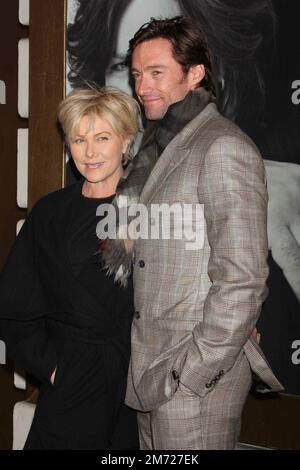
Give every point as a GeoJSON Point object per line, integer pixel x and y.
{"type": "Point", "coordinates": [47, 85]}
{"type": "Point", "coordinates": [272, 421]}
{"type": "Point", "coordinates": [10, 33]}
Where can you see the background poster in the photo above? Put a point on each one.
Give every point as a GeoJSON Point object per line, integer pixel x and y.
{"type": "Point", "coordinates": [255, 47]}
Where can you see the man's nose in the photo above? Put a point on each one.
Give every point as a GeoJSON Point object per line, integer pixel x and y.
{"type": "Point", "coordinates": [143, 85]}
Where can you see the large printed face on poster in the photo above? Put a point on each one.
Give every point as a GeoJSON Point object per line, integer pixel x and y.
{"type": "Point", "coordinates": [116, 22]}
{"type": "Point", "coordinates": [257, 80]}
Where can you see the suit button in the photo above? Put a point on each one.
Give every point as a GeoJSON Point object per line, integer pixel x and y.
{"type": "Point", "coordinates": [137, 315]}
{"type": "Point", "coordinates": [141, 263]}
{"type": "Point", "coordinates": [221, 373]}
{"type": "Point", "coordinates": [209, 385]}
{"type": "Point", "coordinates": [175, 374]}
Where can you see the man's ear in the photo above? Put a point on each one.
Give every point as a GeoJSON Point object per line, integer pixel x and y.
{"type": "Point", "coordinates": [196, 74]}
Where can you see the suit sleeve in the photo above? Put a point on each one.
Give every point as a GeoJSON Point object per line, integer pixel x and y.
{"type": "Point", "coordinates": [23, 307]}
{"type": "Point", "coordinates": [232, 189]}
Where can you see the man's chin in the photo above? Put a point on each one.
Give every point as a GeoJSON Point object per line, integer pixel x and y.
{"type": "Point", "coordinates": [154, 114]}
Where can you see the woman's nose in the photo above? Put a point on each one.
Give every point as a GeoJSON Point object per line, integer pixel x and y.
{"type": "Point", "coordinates": [90, 150]}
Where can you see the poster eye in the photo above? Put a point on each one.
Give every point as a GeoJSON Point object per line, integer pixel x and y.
{"type": "Point", "coordinates": [118, 67]}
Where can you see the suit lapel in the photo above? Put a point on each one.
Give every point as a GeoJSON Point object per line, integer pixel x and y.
{"type": "Point", "coordinates": [167, 162]}
{"type": "Point", "coordinates": [173, 155]}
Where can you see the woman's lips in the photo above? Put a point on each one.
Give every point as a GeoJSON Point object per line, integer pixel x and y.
{"type": "Point", "coordinates": [93, 166]}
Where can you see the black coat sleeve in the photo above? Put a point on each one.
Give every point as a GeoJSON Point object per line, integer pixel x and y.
{"type": "Point", "coordinates": [23, 307]}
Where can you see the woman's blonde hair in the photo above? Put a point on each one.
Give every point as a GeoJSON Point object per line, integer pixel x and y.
{"type": "Point", "coordinates": [118, 109]}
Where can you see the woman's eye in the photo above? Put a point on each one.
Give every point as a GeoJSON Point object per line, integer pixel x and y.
{"type": "Point", "coordinates": [78, 141]}
{"type": "Point", "coordinates": [102, 139]}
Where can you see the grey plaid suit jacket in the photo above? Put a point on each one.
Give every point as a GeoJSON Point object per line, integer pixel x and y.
{"type": "Point", "coordinates": [195, 309]}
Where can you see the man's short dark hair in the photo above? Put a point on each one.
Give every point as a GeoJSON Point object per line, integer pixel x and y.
{"type": "Point", "coordinates": [188, 41]}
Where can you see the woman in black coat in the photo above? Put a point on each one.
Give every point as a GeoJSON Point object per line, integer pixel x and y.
{"type": "Point", "coordinates": [63, 319]}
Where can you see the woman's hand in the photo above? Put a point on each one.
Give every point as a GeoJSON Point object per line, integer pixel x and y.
{"type": "Point", "coordinates": [52, 378]}
{"type": "Point", "coordinates": [256, 335]}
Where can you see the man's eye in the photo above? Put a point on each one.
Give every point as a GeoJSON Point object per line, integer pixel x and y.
{"type": "Point", "coordinates": [156, 72]}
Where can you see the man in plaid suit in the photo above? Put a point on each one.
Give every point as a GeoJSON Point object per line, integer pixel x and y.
{"type": "Point", "coordinates": [192, 350]}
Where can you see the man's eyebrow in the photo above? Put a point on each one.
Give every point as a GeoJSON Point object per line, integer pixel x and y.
{"type": "Point", "coordinates": [151, 67]}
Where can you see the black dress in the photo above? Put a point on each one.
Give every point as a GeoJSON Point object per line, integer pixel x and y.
{"type": "Point", "coordinates": [60, 309]}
